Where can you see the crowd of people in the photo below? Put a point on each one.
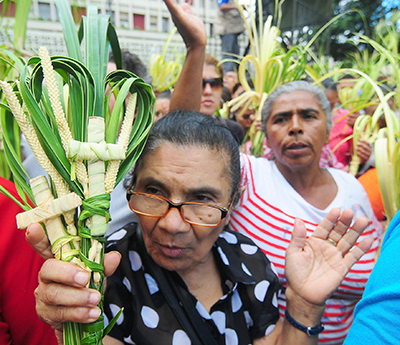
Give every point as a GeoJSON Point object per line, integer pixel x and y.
{"type": "Point", "coordinates": [209, 244]}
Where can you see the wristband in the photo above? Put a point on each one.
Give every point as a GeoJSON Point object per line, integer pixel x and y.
{"type": "Point", "coordinates": [311, 331]}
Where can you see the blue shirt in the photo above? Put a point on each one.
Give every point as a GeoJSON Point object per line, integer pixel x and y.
{"type": "Point", "coordinates": [376, 317]}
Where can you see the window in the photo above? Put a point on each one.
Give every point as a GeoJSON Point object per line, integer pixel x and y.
{"type": "Point", "coordinates": [165, 25]}
{"type": "Point", "coordinates": [138, 21]}
{"type": "Point", "coordinates": [9, 9]}
{"type": "Point", "coordinates": [44, 11]}
{"type": "Point", "coordinates": [124, 20]}
{"type": "Point", "coordinates": [153, 22]}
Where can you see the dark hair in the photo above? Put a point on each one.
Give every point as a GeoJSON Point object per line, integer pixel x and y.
{"type": "Point", "coordinates": [132, 63]}
{"type": "Point", "coordinates": [165, 95]}
{"type": "Point", "coordinates": [293, 86]}
{"type": "Point", "coordinates": [189, 128]}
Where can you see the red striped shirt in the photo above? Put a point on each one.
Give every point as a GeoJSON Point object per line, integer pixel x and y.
{"type": "Point", "coordinates": [266, 213]}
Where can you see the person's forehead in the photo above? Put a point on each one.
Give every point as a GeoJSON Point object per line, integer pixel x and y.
{"type": "Point", "coordinates": [186, 166]}
{"type": "Point", "coordinates": [210, 71]}
{"type": "Point", "coordinates": [301, 99]}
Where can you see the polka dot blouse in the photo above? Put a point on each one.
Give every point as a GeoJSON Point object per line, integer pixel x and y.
{"type": "Point", "coordinates": [247, 311]}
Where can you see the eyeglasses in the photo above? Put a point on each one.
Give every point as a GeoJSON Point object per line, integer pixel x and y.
{"type": "Point", "coordinates": [195, 213]}
{"type": "Point", "coordinates": [214, 82]}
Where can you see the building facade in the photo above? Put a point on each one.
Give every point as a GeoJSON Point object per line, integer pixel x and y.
{"type": "Point", "coordinates": [143, 26]}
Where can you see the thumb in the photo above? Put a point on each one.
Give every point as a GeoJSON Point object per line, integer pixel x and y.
{"type": "Point", "coordinates": [299, 236]}
{"type": "Point", "coordinates": [37, 238]}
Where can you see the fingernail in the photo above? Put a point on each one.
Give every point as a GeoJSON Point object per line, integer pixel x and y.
{"type": "Point", "coordinates": [94, 298]}
{"type": "Point", "coordinates": [81, 278]}
{"type": "Point", "coordinates": [94, 313]}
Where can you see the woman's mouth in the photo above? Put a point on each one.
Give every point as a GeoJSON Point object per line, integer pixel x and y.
{"type": "Point", "coordinates": [296, 148]}
{"type": "Point", "coordinates": [171, 251]}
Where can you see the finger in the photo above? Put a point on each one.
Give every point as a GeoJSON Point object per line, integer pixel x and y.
{"type": "Point", "coordinates": [111, 262]}
{"type": "Point", "coordinates": [351, 236]}
{"type": "Point", "coordinates": [327, 224]}
{"type": "Point", "coordinates": [358, 251]}
{"type": "Point", "coordinates": [299, 236]}
{"type": "Point", "coordinates": [57, 315]}
{"type": "Point", "coordinates": [66, 273]}
{"type": "Point", "coordinates": [37, 238]}
{"type": "Point", "coordinates": [342, 225]}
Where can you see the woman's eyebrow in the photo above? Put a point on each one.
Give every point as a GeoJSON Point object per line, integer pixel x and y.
{"type": "Point", "coordinates": [205, 190]}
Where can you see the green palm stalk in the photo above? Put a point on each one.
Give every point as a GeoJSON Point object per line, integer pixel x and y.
{"type": "Point", "coordinates": [165, 73]}
{"type": "Point", "coordinates": [62, 107]}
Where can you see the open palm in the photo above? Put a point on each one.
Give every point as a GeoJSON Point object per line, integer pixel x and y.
{"type": "Point", "coordinates": [315, 267]}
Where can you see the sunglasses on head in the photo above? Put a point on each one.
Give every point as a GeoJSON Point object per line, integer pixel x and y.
{"type": "Point", "coordinates": [214, 82]}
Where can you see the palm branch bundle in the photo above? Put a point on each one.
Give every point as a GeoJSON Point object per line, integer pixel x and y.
{"type": "Point", "coordinates": [165, 72]}
{"type": "Point", "coordinates": [61, 104]}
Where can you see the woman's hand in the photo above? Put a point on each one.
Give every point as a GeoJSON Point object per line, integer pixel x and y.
{"type": "Point", "coordinates": [190, 27]}
{"type": "Point", "coordinates": [316, 266]}
{"type": "Point", "coordinates": [62, 294]}
{"type": "Point", "coordinates": [364, 150]}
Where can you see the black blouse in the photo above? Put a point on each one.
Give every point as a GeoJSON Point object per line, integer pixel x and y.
{"type": "Point", "coordinates": [247, 311]}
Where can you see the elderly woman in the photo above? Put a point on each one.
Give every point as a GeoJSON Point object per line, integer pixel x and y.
{"type": "Point", "coordinates": [296, 120]}
{"type": "Point", "coordinates": [182, 279]}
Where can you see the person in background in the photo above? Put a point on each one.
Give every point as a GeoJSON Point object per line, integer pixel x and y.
{"type": "Point", "coordinates": [19, 268]}
{"type": "Point", "coordinates": [162, 104]}
{"type": "Point", "coordinates": [229, 25]}
{"type": "Point", "coordinates": [212, 94]}
{"type": "Point", "coordinates": [132, 63]}
{"type": "Point", "coordinates": [296, 119]}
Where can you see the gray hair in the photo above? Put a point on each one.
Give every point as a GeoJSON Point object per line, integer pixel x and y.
{"type": "Point", "coordinates": [293, 86]}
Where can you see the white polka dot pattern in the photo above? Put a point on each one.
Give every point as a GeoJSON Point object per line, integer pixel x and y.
{"type": "Point", "coordinates": [270, 329]}
{"type": "Point", "coordinates": [150, 317]}
{"type": "Point", "coordinates": [151, 283]}
{"type": "Point", "coordinates": [230, 238]}
{"type": "Point", "coordinates": [231, 337]}
{"type": "Point", "coordinates": [246, 270]}
{"type": "Point", "coordinates": [236, 302]}
{"type": "Point", "coordinates": [117, 235]}
{"type": "Point", "coordinates": [136, 261]}
{"type": "Point", "coordinates": [129, 340]}
{"type": "Point", "coordinates": [260, 291]}
{"type": "Point", "coordinates": [275, 300]}
{"type": "Point", "coordinates": [114, 310]}
{"type": "Point", "coordinates": [127, 283]}
{"type": "Point", "coordinates": [202, 311]}
{"type": "Point", "coordinates": [180, 338]}
{"type": "Point", "coordinates": [219, 319]}
{"type": "Point", "coordinates": [249, 320]}
{"type": "Point", "coordinates": [248, 249]}
{"type": "Point", "coordinates": [223, 256]}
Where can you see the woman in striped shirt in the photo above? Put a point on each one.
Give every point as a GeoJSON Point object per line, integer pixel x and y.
{"type": "Point", "coordinates": [296, 119]}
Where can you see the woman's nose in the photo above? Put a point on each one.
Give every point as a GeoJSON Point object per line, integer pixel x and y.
{"type": "Point", "coordinates": [296, 125]}
{"type": "Point", "coordinates": [173, 222]}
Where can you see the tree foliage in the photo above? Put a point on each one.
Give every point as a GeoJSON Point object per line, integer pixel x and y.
{"type": "Point", "coordinates": [349, 26]}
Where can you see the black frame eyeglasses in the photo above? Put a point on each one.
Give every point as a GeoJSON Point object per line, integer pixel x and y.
{"type": "Point", "coordinates": [214, 82]}
{"type": "Point", "coordinates": [195, 213]}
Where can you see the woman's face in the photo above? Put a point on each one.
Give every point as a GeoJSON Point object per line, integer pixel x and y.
{"type": "Point", "coordinates": [182, 174]}
{"type": "Point", "coordinates": [211, 96]}
{"type": "Point", "coordinates": [296, 130]}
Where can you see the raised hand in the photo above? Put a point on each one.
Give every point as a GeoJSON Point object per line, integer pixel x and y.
{"type": "Point", "coordinates": [316, 266]}
{"type": "Point", "coordinates": [190, 27]}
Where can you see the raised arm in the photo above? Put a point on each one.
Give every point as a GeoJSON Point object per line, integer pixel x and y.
{"type": "Point", "coordinates": [187, 90]}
